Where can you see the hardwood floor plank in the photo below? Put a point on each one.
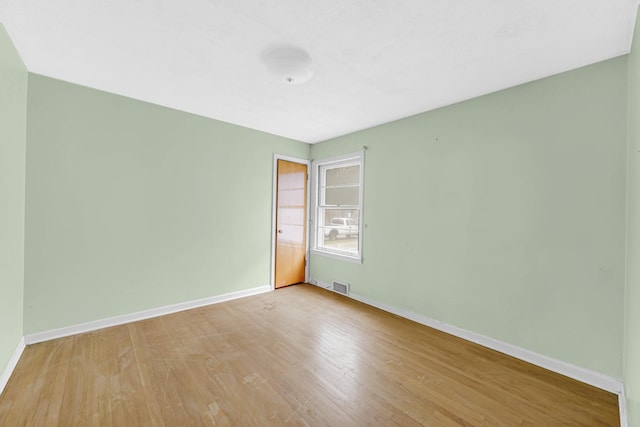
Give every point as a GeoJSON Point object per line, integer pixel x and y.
{"type": "Point", "coordinates": [300, 356]}
{"type": "Point", "coordinates": [123, 385]}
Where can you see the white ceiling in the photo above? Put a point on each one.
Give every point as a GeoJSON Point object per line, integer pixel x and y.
{"type": "Point", "coordinates": [375, 60]}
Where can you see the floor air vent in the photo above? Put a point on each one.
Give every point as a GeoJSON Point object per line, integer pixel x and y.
{"type": "Point", "coordinates": [341, 288]}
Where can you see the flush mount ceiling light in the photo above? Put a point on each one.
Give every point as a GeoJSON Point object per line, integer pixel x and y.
{"type": "Point", "coordinates": [288, 64]}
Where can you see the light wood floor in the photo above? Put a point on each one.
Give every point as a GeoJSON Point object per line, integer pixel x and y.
{"type": "Point", "coordinates": [296, 356]}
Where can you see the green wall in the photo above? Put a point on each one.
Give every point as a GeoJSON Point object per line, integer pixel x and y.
{"type": "Point", "coordinates": [503, 215]}
{"type": "Point", "coordinates": [131, 206]}
{"type": "Point", "coordinates": [13, 126]}
{"type": "Point", "coordinates": [632, 297]}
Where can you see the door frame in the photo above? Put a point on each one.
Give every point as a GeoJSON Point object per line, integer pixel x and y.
{"type": "Point", "coordinates": [274, 209]}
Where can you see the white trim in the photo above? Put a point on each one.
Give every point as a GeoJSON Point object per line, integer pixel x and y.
{"type": "Point", "coordinates": [359, 156]}
{"type": "Point", "coordinates": [622, 407]}
{"type": "Point", "coordinates": [584, 375]}
{"type": "Point", "coordinates": [274, 195]}
{"type": "Point", "coordinates": [11, 364]}
{"type": "Point", "coordinates": [338, 255]}
{"type": "Point", "coordinates": [140, 315]}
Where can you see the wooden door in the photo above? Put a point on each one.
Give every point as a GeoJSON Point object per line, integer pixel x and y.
{"type": "Point", "coordinates": [291, 223]}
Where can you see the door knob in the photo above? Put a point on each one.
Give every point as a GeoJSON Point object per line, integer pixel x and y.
{"type": "Point", "coordinates": [279, 231]}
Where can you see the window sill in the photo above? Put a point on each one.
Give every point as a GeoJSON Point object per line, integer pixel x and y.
{"type": "Point", "coordinates": [356, 259]}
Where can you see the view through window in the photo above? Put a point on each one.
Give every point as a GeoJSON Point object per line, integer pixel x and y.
{"type": "Point", "coordinates": [338, 206]}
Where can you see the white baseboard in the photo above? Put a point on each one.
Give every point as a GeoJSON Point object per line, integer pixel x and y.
{"type": "Point", "coordinates": [11, 364]}
{"type": "Point", "coordinates": [622, 406]}
{"type": "Point", "coordinates": [584, 375]}
{"type": "Point", "coordinates": [140, 315]}
{"type": "Point", "coordinates": [579, 373]}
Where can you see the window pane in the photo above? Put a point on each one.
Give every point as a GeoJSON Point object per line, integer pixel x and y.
{"type": "Point", "coordinates": [347, 175]}
{"type": "Point", "coordinates": [292, 234]}
{"type": "Point", "coordinates": [291, 181]}
{"type": "Point", "coordinates": [342, 196]}
{"type": "Point", "coordinates": [334, 216]}
{"type": "Point", "coordinates": [291, 216]}
{"type": "Point", "coordinates": [338, 230]}
{"type": "Point", "coordinates": [291, 197]}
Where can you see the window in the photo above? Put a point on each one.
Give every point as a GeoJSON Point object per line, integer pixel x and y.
{"type": "Point", "coordinates": [337, 205]}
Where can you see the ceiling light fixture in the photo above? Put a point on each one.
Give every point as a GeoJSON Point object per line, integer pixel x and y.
{"type": "Point", "coordinates": [288, 64]}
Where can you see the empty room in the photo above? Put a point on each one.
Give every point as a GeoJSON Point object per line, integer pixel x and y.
{"type": "Point", "coordinates": [269, 213]}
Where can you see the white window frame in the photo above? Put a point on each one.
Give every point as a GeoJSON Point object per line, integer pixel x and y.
{"type": "Point", "coordinates": [316, 165]}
